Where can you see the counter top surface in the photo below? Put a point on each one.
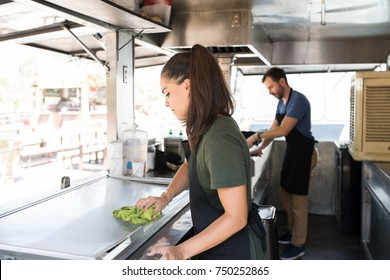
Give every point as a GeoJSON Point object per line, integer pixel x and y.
{"type": "Point", "coordinates": [78, 223]}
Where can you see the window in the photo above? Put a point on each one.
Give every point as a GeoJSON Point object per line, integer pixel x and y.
{"type": "Point", "coordinates": [328, 94]}
{"type": "Point", "coordinates": [52, 122]}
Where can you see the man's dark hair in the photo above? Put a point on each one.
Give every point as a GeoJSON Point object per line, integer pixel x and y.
{"type": "Point", "coordinates": [275, 74]}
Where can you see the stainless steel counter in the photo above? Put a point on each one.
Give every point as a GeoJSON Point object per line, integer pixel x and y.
{"type": "Point", "coordinates": [260, 175]}
{"type": "Point", "coordinates": [376, 209]}
{"type": "Point", "coordinates": [77, 223]}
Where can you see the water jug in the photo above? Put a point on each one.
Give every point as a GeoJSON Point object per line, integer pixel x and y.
{"type": "Point", "coordinates": [136, 143]}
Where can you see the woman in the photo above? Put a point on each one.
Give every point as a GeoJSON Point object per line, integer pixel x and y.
{"type": "Point", "coordinates": [218, 173]}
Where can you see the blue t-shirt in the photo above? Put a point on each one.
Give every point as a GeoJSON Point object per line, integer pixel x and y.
{"type": "Point", "coordinates": [298, 107]}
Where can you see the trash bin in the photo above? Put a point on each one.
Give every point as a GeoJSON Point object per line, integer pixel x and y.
{"type": "Point", "coordinates": [268, 217]}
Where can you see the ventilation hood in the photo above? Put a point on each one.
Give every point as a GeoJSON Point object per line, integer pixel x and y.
{"type": "Point", "coordinates": [302, 36]}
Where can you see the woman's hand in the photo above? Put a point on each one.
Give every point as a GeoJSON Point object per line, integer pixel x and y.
{"type": "Point", "coordinates": [160, 202]}
{"type": "Point", "coordinates": [167, 252]}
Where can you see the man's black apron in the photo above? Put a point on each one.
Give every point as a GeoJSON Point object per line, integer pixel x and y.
{"type": "Point", "coordinates": [237, 247]}
{"type": "Point", "coordinates": [296, 164]}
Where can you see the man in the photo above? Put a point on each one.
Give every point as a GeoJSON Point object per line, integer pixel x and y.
{"type": "Point", "coordinates": [293, 121]}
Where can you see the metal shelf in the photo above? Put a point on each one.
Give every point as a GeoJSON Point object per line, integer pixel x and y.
{"type": "Point", "coordinates": [102, 13]}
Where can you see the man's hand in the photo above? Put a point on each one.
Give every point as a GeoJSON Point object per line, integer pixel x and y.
{"type": "Point", "coordinates": [257, 152]}
{"type": "Point", "coordinates": [251, 140]}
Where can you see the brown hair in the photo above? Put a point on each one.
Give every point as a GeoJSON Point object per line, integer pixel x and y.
{"type": "Point", "coordinates": [210, 95]}
{"type": "Point", "coordinates": [275, 74]}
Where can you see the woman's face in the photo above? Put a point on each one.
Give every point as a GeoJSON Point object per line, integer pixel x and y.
{"type": "Point", "coordinates": [177, 97]}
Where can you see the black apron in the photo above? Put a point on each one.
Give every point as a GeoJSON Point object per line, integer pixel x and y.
{"type": "Point", "coordinates": [295, 174]}
{"type": "Point", "coordinates": [203, 213]}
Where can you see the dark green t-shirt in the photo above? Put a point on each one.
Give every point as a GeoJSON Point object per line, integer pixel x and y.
{"type": "Point", "coordinates": [223, 161]}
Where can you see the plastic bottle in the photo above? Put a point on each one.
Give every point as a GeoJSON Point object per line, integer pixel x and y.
{"type": "Point", "coordinates": [151, 157]}
{"type": "Point", "coordinates": [136, 143]}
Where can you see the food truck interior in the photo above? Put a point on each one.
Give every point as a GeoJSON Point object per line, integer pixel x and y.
{"type": "Point", "coordinates": [349, 190]}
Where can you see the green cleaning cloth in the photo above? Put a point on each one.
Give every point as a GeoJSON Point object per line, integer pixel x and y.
{"type": "Point", "coordinates": [134, 215]}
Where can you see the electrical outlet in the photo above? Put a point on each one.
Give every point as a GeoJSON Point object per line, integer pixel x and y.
{"type": "Point", "coordinates": [125, 74]}
{"type": "Point", "coordinates": [236, 19]}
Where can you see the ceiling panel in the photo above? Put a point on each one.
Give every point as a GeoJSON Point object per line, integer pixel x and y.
{"type": "Point", "coordinates": [272, 32]}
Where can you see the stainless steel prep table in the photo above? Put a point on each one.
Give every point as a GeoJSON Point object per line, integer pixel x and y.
{"type": "Point", "coordinates": [375, 220]}
{"type": "Point", "coordinates": [77, 223]}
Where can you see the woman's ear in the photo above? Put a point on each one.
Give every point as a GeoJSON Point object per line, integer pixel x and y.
{"type": "Point", "coordinates": [187, 84]}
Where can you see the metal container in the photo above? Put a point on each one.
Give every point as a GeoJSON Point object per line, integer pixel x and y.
{"type": "Point", "coordinates": [173, 145]}
{"type": "Point", "coordinates": [268, 217]}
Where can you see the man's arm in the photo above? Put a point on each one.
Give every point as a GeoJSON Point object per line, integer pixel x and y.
{"type": "Point", "coordinates": [284, 129]}
{"type": "Point", "coordinates": [275, 131]}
